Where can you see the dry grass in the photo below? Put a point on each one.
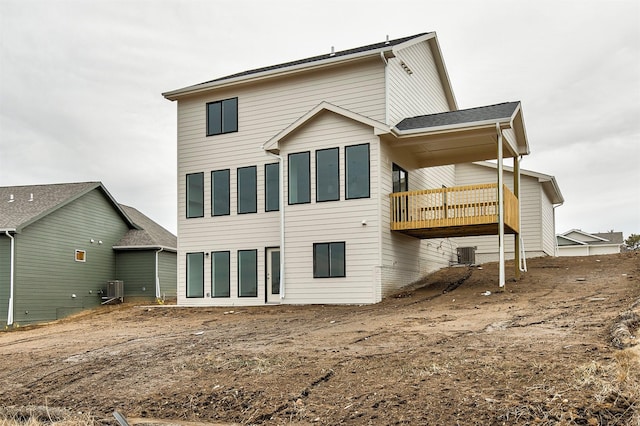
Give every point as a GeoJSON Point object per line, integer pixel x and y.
{"type": "Point", "coordinates": [42, 415]}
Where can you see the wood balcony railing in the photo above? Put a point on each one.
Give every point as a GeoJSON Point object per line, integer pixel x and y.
{"type": "Point", "coordinates": [453, 212]}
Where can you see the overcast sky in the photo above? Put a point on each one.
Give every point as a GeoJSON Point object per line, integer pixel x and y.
{"type": "Point", "coordinates": [81, 84]}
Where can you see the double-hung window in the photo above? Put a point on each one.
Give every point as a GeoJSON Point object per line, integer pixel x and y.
{"type": "Point", "coordinates": [299, 178]}
{"type": "Point", "coordinates": [357, 171]}
{"type": "Point", "coordinates": [247, 190]}
{"type": "Point", "coordinates": [272, 187]}
{"type": "Point", "coordinates": [329, 260]}
{"type": "Point", "coordinates": [195, 195]}
{"type": "Point", "coordinates": [222, 117]}
{"type": "Point", "coordinates": [195, 275]}
{"type": "Point", "coordinates": [220, 192]}
{"type": "Point", "coordinates": [327, 175]}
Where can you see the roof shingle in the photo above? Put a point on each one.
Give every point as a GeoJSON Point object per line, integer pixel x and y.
{"type": "Point", "coordinates": [470, 115]}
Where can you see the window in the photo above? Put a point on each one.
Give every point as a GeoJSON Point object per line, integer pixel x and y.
{"type": "Point", "coordinates": [272, 187]}
{"type": "Point", "coordinates": [327, 175]}
{"type": "Point", "coordinates": [328, 260]}
{"type": "Point", "coordinates": [195, 195]}
{"type": "Point", "coordinates": [299, 178]}
{"type": "Point", "coordinates": [247, 273]}
{"type": "Point", "coordinates": [220, 279]}
{"type": "Point", "coordinates": [81, 255]}
{"type": "Point", "coordinates": [400, 179]}
{"type": "Point", "coordinates": [357, 171]}
{"type": "Point", "coordinates": [247, 190]}
{"type": "Point", "coordinates": [220, 192]}
{"type": "Point", "coordinates": [222, 117]}
{"type": "Point", "coordinates": [195, 274]}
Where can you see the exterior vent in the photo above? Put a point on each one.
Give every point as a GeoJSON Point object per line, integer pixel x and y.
{"type": "Point", "coordinates": [115, 292]}
{"type": "Point", "coordinates": [466, 255]}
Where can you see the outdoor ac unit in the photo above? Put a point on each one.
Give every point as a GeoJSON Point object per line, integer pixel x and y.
{"type": "Point", "coordinates": [115, 289]}
{"type": "Point", "coordinates": [466, 255]}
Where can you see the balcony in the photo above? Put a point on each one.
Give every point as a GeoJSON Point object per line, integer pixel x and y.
{"type": "Point", "coordinates": [453, 212]}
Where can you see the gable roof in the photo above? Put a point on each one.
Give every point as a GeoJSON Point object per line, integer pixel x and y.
{"type": "Point", "coordinates": [21, 206]}
{"type": "Point", "coordinates": [548, 182]}
{"type": "Point", "coordinates": [385, 48]}
{"type": "Point", "coordinates": [602, 238]}
{"type": "Point", "coordinates": [149, 234]}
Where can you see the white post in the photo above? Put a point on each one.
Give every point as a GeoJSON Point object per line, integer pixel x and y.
{"type": "Point", "coordinates": [501, 281]}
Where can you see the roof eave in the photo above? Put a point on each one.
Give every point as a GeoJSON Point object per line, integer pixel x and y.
{"type": "Point", "coordinates": [146, 247]}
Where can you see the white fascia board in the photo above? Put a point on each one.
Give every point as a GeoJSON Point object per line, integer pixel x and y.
{"type": "Point", "coordinates": [476, 125]}
{"type": "Point", "coordinates": [586, 234]}
{"type": "Point", "coordinates": [582, 243]}
{"type": "Point", "coordinates": [202, 87]}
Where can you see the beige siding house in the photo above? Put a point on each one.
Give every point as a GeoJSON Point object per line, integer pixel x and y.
{"type": "Point", "coordinates": [539, 197]}
{"type": "Point", "coordinates": [579, 243]}
{"type": "Point", "coordinates": [287, 173]}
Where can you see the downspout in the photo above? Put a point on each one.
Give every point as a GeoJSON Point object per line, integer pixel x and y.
{"type": "Point", "coordinates": [281, 191]}
{"type": "Point", "coordinates": [500, 209]}
{"type": "Point", "coordinates": [386, 87]}
{"type": "Point", "coordinates": [11, 276]}
{"type": "Point", "coordinates": [158, 274]}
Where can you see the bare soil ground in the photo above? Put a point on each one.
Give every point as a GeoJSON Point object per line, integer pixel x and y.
{"type": "Point", "coordinates": [556, 347]}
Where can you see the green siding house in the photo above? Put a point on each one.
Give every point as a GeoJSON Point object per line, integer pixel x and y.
{"type": "Point", "coordinates": [61, 244]}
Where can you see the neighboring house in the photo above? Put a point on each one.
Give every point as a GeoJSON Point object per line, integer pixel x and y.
{"type": "Point", "coordinates": [61, 244]}
{"type": "Point", "coordinates": [579, 243]}
{"type": "Point", "coordinates": [321, 180]}
{"type": "Point", "coordinates": [539, 197]}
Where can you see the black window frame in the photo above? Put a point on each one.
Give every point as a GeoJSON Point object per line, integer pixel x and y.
{"type": "Point", "coordinates": [317, 272]}
{"type": "Point", "coordinates": [227, 200]}
{"type": "Point", "coordinates": [255, 254]}
{"type": "Point", "coordinates": [188, 195]}
{"type": "Point", "coordinates": [335, 179]}
{"type": "Point", "coordinates": [224, 104]}
{"type": "Point", "coordinates": [269, 191]}
{"type": "Point", "coordinates": [395, 168]}
{"type": "Point", "coordinates": [240, 188]}
{"type": "Point", "coordinates": [213, 276]}
{"type": "Point", "coordinates": [187, 269]}
{"type": "Point", "coordinates": [347, 196]}
{"type": "Point", "coordinates": [289, 180]}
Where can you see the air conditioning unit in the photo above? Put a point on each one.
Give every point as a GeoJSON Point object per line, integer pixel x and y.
{"type": "Point", "coordinates": [466, 255]}
{"type": "Point", "coordinates": [115, 289]}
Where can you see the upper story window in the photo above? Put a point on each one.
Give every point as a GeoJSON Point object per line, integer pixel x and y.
{"type": "Point", "coordinates": [222, 117]}
{"type": "Point", "coordinates": [272, 187]}
{"type": "Point", "coordinates": [327, 175]}
{"type": "Point", "coordinates": [247, 190]}
{"type": "Point", "coordinates": [195, 195]}
{"type": "Point", "coordinates": [357, 171]}
{"type": "Point", "coordinates": [220, 192]}
{"type": "Point", "coordinates": [400, 179]}
{"type": "Point", "coordinates": [299, 178]}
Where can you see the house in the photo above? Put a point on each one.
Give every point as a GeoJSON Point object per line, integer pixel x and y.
{"type": "Point", "coordinates": [330, 179]}
{"type": "Point", "coordinates": [540, 195]}
{"type": "Point", "coordinates": [61, 244]}
{"type": "Point", "coordinates": [579, 243]}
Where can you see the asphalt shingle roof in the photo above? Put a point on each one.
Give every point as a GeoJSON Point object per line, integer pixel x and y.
{"type": "Point", "coordinates": [320, 57]}
{"type": "Point", "coordinates": [150, 235]}
{"type": "Point", "coordinates": [470, 115]}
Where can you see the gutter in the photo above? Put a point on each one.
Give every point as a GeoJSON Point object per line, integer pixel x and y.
{"type": "Point", "coordinates": [11, 277]}
{"type": "Point", "coordinates": [282, 236]}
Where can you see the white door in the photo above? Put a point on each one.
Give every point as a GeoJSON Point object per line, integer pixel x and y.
{"type": "Point", "coordinates": [273, 275]}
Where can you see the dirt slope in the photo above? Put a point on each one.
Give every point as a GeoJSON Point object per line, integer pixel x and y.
{"type": "Point", "coordinates": [540, 352]}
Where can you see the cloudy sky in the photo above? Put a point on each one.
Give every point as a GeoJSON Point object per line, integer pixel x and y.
{"type": "Point", "coordinates": [81, 84]}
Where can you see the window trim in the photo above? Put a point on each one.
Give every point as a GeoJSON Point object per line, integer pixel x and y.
{"type": "Point", "coordinates": [213, 281]}
{"type": "Point", "coordinates": [213, 213]}
{"type": "Point", "coordinates": [346, 172]}
{"type": "Point", "coordinates": [255, 198]}
{"type": "Point", "coordinates": [266, 187]}
{"type": "Point", "coordinates": [289, 177]}
{"type": "Point", "coordinates": [337, 176]}
{"type": "Point", "coordinates": [186, 290]}
{"type": "Point", "coordinates": [256, 276]}
{"type": "Point", "coordinates": [80, 255]}
{"type": "Point", "coordinates": [222, 109]}
{"type": "Point", "coordinates": [344, 259]}
{"type": "Point", "coordinates": [187, 192]}
{"type": "Point", "coordinates": [394, 168]}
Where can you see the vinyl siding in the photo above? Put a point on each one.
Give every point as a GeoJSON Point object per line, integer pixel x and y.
{"type": "Point", "coordinates": [5, 276]}
{"type": "Point", "coordinates": [532, 214]}
{"type": "Point", "coordinates": [46, 273]}
{"type": "Point", "coordinates": [418, 93]}
{"type": "Point", "coordinates": [137, 269]}
{"type": "Point", "coordinates": [264, 109]}
{"type": "Point", "coordinates": [548, 225]}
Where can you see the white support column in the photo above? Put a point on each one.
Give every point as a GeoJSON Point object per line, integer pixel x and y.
{"type": "Point", "coordinates": [516, 237]}
{"type": "Point", "coordinates": [501, 281]}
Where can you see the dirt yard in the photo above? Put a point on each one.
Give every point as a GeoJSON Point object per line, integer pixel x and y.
{"type": "Point", "coordinates": [556, 347]}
